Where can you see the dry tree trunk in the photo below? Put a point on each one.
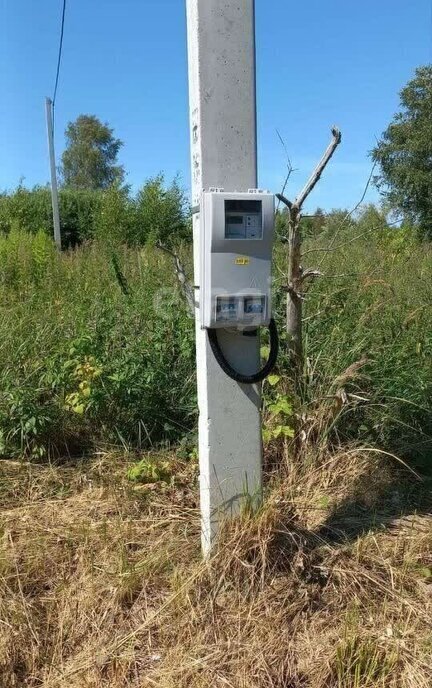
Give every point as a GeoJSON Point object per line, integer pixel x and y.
{"type": "Point", "coordinates": [294, 302]}
{"type": "Point", "coordinates": [185, 286]}
{"type": "Point", "coordinates": [296, 276]}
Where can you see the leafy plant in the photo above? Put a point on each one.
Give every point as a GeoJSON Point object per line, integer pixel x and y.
{"type": "Point", "coordinates": [150, 470]}
{"type": "Point", "coordinates": [279, 414]}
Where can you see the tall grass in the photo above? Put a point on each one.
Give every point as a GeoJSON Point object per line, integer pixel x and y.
{"type": "Point", "coordinates": [102, 584]}
{"type": "Point", "coordinates": [94, 350]}
{"type": "Point", "coordinates": [373, 305]}
{"type": "Point", "coordinates": [81, 363]}
{"type": "Point", "coordinates": [101, 579]}
{"type": "Point", "coordinates": [368, 339]}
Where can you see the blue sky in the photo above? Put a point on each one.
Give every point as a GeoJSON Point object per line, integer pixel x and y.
{"type": "Point", "coordinates": [319, 63]}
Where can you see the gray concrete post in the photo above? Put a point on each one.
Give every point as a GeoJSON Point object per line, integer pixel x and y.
{"type": "Point", "coordinates": [54, 190]}
{"type": "Point", "coordinates": [221, 48]}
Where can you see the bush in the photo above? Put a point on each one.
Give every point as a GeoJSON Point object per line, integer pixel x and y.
{"type": "Point", "coordinates": [116, 218]}
{"type": "Point", "coordinates": [31, 211]}
{"type": "Point", "coordinates": [161, 214]}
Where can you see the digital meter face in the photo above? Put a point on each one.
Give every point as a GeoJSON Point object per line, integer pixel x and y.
{"type": "Point", "coordinates": [243, 219]}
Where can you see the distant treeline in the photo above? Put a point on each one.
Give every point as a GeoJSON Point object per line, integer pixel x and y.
{"type": "Point", "coordinates": [157, 212]}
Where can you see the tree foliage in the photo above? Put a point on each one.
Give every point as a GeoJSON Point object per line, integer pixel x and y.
{"type": "Point", "coordinates": [157, 212]}
{"type": "Point", "coordinates": [162, 213]}
{"type": "Point", "coordinates": [404, 153]}
{"type": "Point", "coordinates": [90, 158]}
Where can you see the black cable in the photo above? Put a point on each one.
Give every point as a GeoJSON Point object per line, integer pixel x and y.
{"type": "Point", "coordinates": [238, 377]}
{"type": "Point", "coordinates": [59, 52]}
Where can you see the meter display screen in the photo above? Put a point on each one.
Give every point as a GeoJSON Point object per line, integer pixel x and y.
{"type": "Point", "coordinates": [243, 219]}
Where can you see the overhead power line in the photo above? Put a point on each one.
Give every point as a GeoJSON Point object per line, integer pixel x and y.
{"type": "Point", "coordinates": [59, 53]}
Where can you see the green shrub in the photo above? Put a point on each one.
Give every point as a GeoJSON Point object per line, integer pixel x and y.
{"type": "Point", "coordinates": [25, 260]}
{"type": "Point", "coordinates": [25, 209]}
{"type": "Point", "coordinates": [161, 214]}
{"type": "Point", "coordinates": [79, 213]}
{"type": "Point", "coordinates": [31, 211]}
{"type": "Point", "coordinates": [116, 219]}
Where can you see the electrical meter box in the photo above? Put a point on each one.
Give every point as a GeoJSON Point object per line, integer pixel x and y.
{"type": "Point", "coordinates": [237, 231]}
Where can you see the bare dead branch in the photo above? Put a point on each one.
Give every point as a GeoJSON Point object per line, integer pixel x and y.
{"type": "Point", "coordinates": [184, 283]}
{"type": "Point", "coordinates": [311, 274]}
{"type": "Point", "coordinates": [313, 317]}
{"type": "Point", "coordinates": [343, 274]}
{"type": "Point", "coordinates": [297, 277]}
{"type": "Point", "coordinates": [290, 168]}
{"type": "Point", "coordinates": [365, 190]}
{"type": "Point", "coordinates": [284, 200]}
{"type": "Point", "coordinates": [316, 174]}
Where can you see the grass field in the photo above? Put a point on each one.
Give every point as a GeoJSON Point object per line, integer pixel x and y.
{"type": "Point", "coordinates": [101, 580]}
{"type": "Point", "coordinates": [97, 347]}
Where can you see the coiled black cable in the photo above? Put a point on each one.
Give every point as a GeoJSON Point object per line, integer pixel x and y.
{"type": "Point", "coordinates": [234, 374]}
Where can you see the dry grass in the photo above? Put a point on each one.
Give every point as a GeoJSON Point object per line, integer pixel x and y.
{"type": "Point", "coordinates": [101, 582]}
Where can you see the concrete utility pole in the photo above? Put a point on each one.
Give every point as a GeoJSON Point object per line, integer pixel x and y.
{"type": "Point", "coordinates": [221, 47]}
{"type": "Point", "coordinates": [54, 190]}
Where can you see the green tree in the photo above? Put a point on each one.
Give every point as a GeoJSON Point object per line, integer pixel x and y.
{"type": "Point", "coordinates": [115, 220]}
{"type": "Point", "coordinates": [90, 158]}
{"type": "Point", "coordinates": [404, 153]}
{"type": "Point", "coordinates": [312, 225]}
{"type": "Point", "coordinates": [372, 219]}
{"type": "Point", "coordinates": [162, 213]}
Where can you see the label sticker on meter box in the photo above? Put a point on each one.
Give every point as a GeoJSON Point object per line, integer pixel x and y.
{"type": "Point", "coordinates": [242, 261]}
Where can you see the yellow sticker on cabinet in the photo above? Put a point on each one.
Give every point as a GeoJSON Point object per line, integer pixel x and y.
{"type": "Point", "coordinates": [242, 261]}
